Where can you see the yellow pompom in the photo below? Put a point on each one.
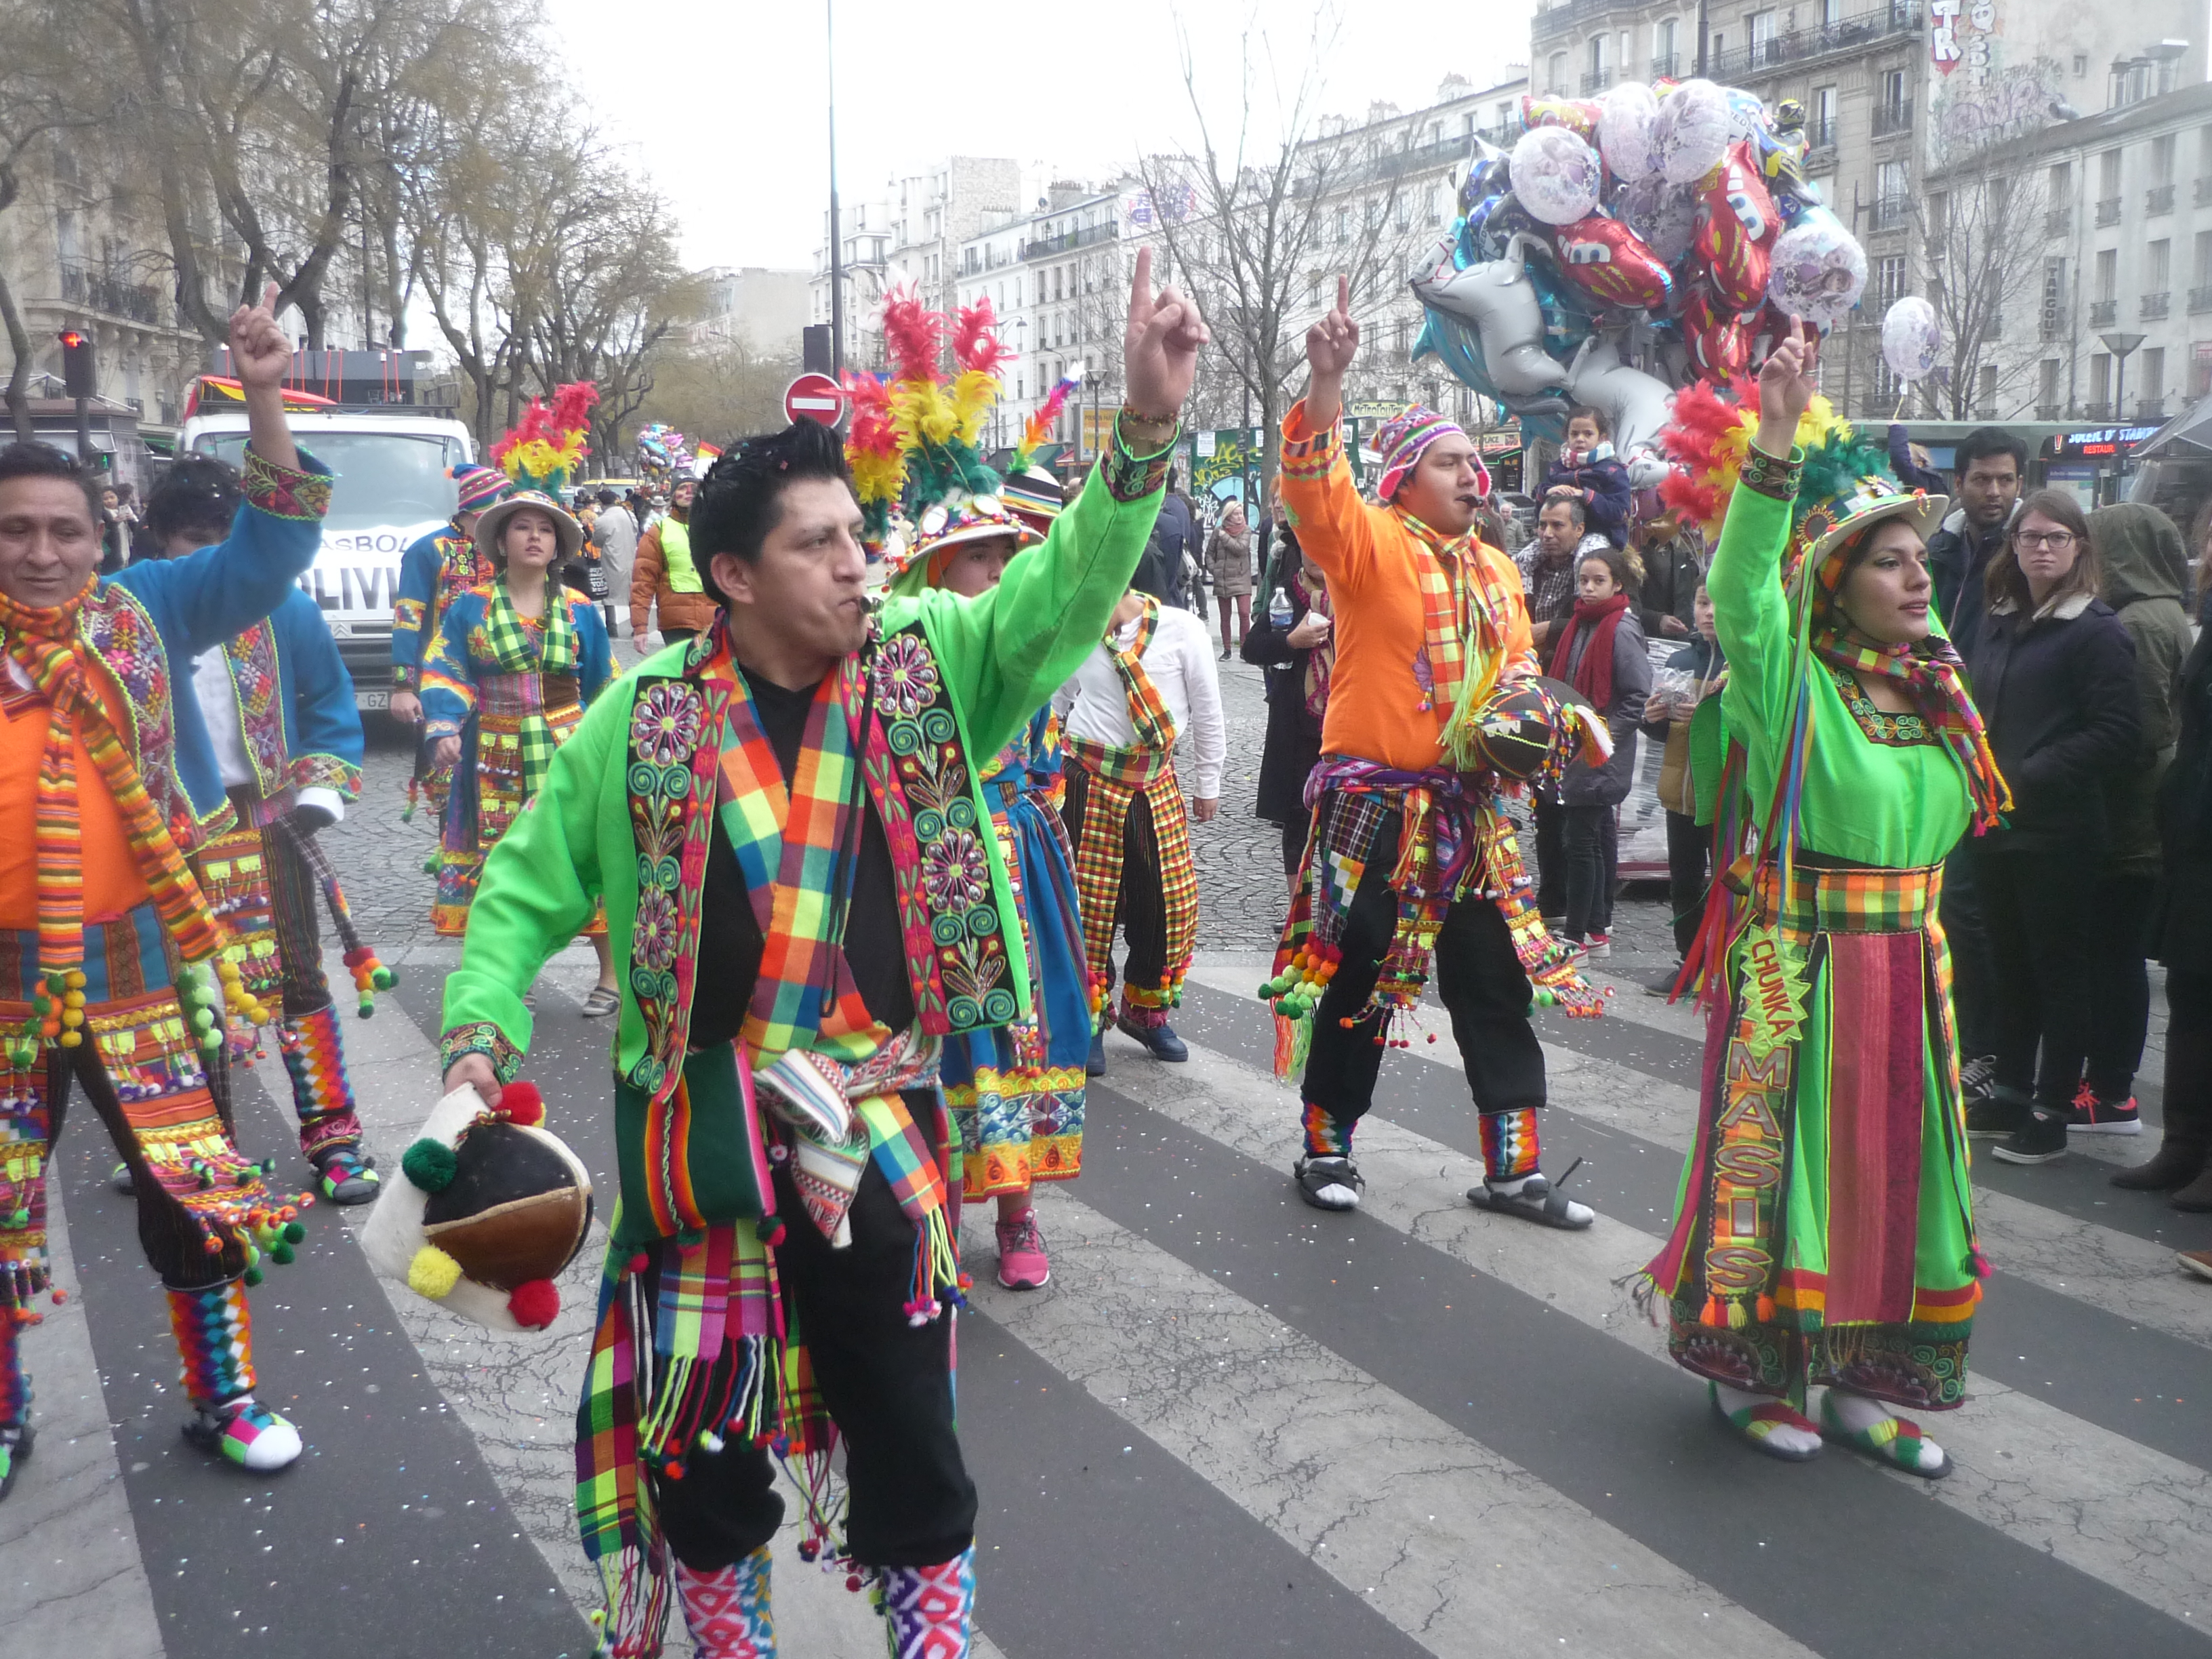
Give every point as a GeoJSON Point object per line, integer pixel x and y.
{"type": "Point", "coordinates": [433, 1273]}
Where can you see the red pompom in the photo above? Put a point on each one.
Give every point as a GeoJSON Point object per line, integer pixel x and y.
{"type": "Point", "coordinates": [521, 1103]}
{"type": "Point", "coordinates": [535, 1303]}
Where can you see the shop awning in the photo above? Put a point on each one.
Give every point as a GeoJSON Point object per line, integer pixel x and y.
{"type": "Point", "coordinates": [2183, 435]}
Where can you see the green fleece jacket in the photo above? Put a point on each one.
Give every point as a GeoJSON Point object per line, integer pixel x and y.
{"type": "Point", "coordinates": [997, 658]}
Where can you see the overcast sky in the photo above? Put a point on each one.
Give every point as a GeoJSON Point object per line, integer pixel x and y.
{"type": "Point", "coordinates": [723, 101]}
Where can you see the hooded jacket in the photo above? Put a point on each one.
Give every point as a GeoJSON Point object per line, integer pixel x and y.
{"type": "Point", "coordinates": [2146, 572]}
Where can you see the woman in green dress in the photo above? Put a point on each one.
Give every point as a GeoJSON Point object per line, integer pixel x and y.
{"type": "Point", "coordinates": [1824, 1230]}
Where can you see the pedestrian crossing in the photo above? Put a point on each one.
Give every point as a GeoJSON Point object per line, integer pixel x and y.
{"type": "Point", "coordinates": [1232, 1425]}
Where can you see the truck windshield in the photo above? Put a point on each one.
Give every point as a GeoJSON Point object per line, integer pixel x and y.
{"type": "Point", "coordinates": [382, 478]}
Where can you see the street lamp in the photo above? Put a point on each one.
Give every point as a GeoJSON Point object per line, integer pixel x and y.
{"type": "Point", "coordinates": [2120, 345]}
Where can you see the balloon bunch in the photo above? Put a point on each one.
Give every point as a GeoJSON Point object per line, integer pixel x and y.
{"type": "Point", "coordinates": [662, 448]}
{"type": "Point", "coordinates": [1671, 223]}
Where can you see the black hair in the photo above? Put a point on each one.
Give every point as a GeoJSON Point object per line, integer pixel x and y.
{"type": "Point", "coordinates": [44, 461]}
{"type": "Point", "coordinates": [741, 499]}
{"type": "Point", "coordinates": [1574, 504]}
{"type": "Point", "coordinates": [1985, 442]}
{"type": "Point", "coordinates": [197, 496]}
{"type": "Point", "coordinates": [607, 498]}
{"type": "Point", "coordinates": [1596, 417]}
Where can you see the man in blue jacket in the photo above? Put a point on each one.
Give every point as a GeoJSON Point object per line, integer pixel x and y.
{"type": "Point", "coordinates": [108, 783]}
{"type": "Point", "coordinates": [279, 707]}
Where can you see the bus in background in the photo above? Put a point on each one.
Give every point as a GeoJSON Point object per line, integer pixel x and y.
{"type": "Point", "coordinates": [391, 463]}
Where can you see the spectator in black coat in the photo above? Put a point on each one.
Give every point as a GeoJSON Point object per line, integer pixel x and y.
{"type": "Point", "coordinates": [1673, 557]}
{"type": "Point", "coordinates": [2054, 675]}
{"type": "Point", "coordinates": [2181, 939]}
{"type": "Point", "coordinates": [1992, 468]}
{"type": "Point", "coordinates": [1298, 690]}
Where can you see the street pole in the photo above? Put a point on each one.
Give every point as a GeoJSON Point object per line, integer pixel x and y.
{"type": "Point", "coordinates": [1701, 37]}
{"type": "Point", "coordinates": [84, 432]}
{"type": "Point", "coordinates": [836, 234]}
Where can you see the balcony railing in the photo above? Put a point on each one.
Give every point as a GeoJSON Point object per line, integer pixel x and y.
{"type": "Point", "coordinates": [1666, 67]}
{"type": "Point", "coordinates": [2160, 198]}
{"type": "Point", "coordinates": [2153, 306]}
{"type": "Point", "coordinates": [1596, 81]}
{"type": "Point", "coordinates": [1900, 17]}
{"type": "Point", "coordinates": [1891, 212]}
{"type": "Point", "coordinates": [86, 287]}
{"type": "Point", "coordinates": [2200, 299]}
{"type": "Point", "coordinates": [2103, 313]}
{"type": "Point", "coordinates": [2151, 409]}
{"type": "Point", "coordinates": [1069, 240]}
{"type": "Point", "coordinates": [2096, 410]}
{"type": "Point", "coordinates": [2050, 411]}
{"type": "Point", "coordinates": [2058, 221]}
{"type": "Point", "coordinates": [1892, 119]}
{"type": "Point", "coordinates": [2108, 211]}
{"type": "Point", "coordinates": [1562, 19]}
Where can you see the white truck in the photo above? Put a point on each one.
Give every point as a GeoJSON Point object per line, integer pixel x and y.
{"type": "Point", "coordinates": [391, 463]}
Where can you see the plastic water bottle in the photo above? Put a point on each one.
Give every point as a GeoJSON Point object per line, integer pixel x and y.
{"type": "Point", "coordinates": [1279, 611]}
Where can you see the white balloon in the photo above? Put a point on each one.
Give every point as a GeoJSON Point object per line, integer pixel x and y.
{"type": "Point", "coordinates": [1624, 130]}
{"type": "Point", "coordinates": [1664, 216]}
{"type": "Point", "coordinates": [1817, 269]}
{"type": "Point", "coordinates": [1555, 175]}
{"type": "Point", "coordinates": [1691, 132]}
{"type": "Point", "coordinates": [1912, 338]}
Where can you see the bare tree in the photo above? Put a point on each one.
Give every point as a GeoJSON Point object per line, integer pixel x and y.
{"type": "Point", "coordinates": [1257, 227]}
{"type": "Point", "coordinates": [721, 387]}
{"type": "Point", "coordinates": [42, 102]}
{"type": "Point", "coordinates": [1983, 236]}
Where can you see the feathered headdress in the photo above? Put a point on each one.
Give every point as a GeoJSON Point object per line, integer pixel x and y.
{"type": "Point", "coordinates": [913, 438]}
{"type": "Point", "coordinates": [542, 451]}
{"type": "Point", "coordinates": [1038, 432]}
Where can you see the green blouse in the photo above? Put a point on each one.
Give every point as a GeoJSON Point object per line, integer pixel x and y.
{"type": "Point", "coordinates": [1889, 796]}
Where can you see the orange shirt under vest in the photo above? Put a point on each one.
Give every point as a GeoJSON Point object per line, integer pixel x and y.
{"type": "Point", "coordinates": [1372, 563]}
{"type": "Point", "coordinates": [112, 883]}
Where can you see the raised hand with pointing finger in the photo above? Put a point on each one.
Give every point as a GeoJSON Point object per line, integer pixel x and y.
{"type": "Point", "coordinates": [261, 356]}
{"type": "Point", "coordinates": [1331, 344]}
{"type": "Point", "coordinates": [1159, 348]}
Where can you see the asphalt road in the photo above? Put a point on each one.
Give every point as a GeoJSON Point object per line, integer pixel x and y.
{"type": "Point", "coordinates": [1229, 1426]}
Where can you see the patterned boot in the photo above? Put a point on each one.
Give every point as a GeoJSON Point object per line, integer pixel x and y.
{"type": "Point", "coordinates": [15, 1431]}
{"type": "Point", "coordinates": [330, 1130]}
{"type": "Point", "coordinates": [214, 1337]}
{"type": "Point", "coordinates": [728, 1612]}
{"type": "Point", "coordinates": [927, 1610]}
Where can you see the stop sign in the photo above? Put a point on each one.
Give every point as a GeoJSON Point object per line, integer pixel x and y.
{"type": "Point", "coordinates": [814, 397]}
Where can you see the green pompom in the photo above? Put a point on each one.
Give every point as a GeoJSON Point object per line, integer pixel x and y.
{"type": "Point", "coordinates": [431, 864]}
{"type": "Point", "coordinates": [293, 1232]}
{"type": "Point", "coordinates": [430, 1165]}
{"type": "Point", "coordinates": [253, 1276]}
{"type": "Point", "coordinates": [367, 1007]}
{"type": "Point", "coordinates": [282, 1255]}
{"type": "Point", "coordinates": [384, 979]}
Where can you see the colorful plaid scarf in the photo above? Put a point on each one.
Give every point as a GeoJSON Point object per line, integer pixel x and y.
{"type": "Point", "coordinates": [1464, 609]}
{"type": "Point", "coordinates": [548, 650]}
{"type": "Point", "coordinates": [1931, 674]}
{"type": "Point", "coordinates": [48, 645]}
{"type": "Point", "coordinates": [1150, 717]}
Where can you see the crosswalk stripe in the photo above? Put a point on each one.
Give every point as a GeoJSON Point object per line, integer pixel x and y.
{"type": "Point", "coordinates": [2097, 1500]}
{"type": "Point", "coordinates": [1464, 1550]}
{"type": "Point", "coordinates": [2108, 1269]}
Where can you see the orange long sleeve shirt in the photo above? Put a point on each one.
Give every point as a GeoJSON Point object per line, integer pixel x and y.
{"type": "Point", "coordinates": [1373, 561]}
{"type": "Point", "coordinates": [113, 883]}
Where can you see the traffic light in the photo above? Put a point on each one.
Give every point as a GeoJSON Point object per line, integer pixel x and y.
{"type": "Point", "coordinates": [79, 378]}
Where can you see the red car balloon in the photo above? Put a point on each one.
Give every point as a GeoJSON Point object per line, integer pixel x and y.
{"type": "Point", "coordinates": [1719, 344]}
{"type": "Point", "coordinates": [1609, 261]}
{"type": "Point", "coordinates": [1736, 225]}
{"type": "Point", "coordinates": [1577, 114]}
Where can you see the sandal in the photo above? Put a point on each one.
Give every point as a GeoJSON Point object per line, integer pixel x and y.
{"type": "Point", "coordinates": [602, 1001]}
{"type": "Point", "coordinates": [1539, 1201]}
{"type": "Point", "coordinates": [1756, 1423]}
{"type": "Point", "coordinates": [345, 1177]}
{"type": "Point", "coordinates": [1895, 1441]}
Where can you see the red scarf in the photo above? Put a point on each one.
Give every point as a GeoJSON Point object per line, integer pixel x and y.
{"type": "Point", "coordinates": [1593, 676]}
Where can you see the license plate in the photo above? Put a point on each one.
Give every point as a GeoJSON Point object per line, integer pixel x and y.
{"type": "Point", "coordinates": [371, 699]}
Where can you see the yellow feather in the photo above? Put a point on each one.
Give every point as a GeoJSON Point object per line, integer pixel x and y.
{"type": "Point", "coordinates": [878, 477]}
{"type": "Point", "coordinates": [973, 394]}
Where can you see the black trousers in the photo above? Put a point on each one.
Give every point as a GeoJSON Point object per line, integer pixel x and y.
{"type": "Point", "coordinates": [1588, 832]}
{"type": "Point", "coordinates": [1477, 976]}
{"type": "Point", "coordinates": [1550, 857]}
{"type": "Point", "coordinates": [1141, 911]}
{"type": "Point", "coordinates": [2189, 1058]}
{"type": "Point", "coordinates": [1689, 854]}
{"type": "Point", "coordinates": [1294, 844]}
{"type": "Point", "coordinates": [1973, 974]}
{"type": "Point", "coordinates": [2039, 915]}
{"type": "Point", "coordinates": [888, 1384]}
{"type": "Point", "coordinates": [2119, 983]}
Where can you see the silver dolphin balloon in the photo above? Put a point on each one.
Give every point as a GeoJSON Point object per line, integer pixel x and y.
{"type": "Point", "coordinates": [1498, 302]}
{"type": "Point", "coordinates": [1634, 403]}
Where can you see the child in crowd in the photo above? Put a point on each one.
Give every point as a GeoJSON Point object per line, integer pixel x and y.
{"type": "Point", "coordinates": [1587, 470]}
{"type": "Point", "coordinates": [1603, 656]}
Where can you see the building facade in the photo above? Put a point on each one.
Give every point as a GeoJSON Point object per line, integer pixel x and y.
{"type": "Point", "coordinates": [763, 309]}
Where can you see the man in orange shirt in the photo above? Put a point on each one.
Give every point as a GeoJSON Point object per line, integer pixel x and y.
{"type": "Point", "coordinates": [1410, 857]}
{"type": "Point", "coordinates": [108, 783]}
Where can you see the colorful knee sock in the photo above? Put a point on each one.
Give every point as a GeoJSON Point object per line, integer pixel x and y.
{"type": "Point", "coordinates": [927, 1610]}
{"type": "Point", "coordinates": [14, 1381]}
{"type": "Point", "coordinates": [1509, 1145]}
{"type": "Point", "coordinates": [214, 1338]}
{"type": "Point", "coordinates": [1325, 1136]}
{"type": "Point", "coordinates": [321, 1093]}
{"type": "Point", "coordinates": [728, 1611]}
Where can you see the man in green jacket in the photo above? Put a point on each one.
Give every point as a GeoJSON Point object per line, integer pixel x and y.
{"type": "Point", "coordinates": [784, 821]}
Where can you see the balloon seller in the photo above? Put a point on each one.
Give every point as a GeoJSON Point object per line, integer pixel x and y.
{"type": "Point", "coordinates": [110, 980]}
{"type": "Point", "coordinates": [1411, 858]}
{"type": "Point", "coordinates": [1824, 1232]}
{"type": "Point", "coordinates": [786, 821]}
{"type": "Point", "coordinates": [1016, 1091]}
{"type": "Point", "coordinates": [279, 709]}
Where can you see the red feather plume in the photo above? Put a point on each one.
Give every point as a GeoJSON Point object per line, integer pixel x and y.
{"type": "Point", "coordinates": [975, 340]}
{"type": "Point", "coordinates": [913, 334]}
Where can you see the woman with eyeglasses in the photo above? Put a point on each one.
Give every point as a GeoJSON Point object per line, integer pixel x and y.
{"type": "Point", "coordinates": [2054, 674]}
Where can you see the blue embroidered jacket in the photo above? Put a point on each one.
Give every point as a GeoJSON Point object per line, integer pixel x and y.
{"type": "Point", "coordinates": [434, 569]}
